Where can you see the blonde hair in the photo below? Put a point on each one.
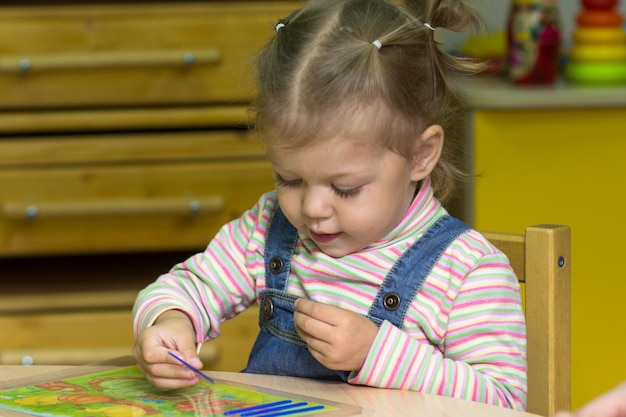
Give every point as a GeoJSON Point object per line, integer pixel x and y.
{"type": "Point", "coordinates": [334, 59]}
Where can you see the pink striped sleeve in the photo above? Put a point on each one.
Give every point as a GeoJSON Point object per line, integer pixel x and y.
{"type": "Point", "coordinates": [214, 285]}
{"type": "Point", "coordinates": [463, 339]}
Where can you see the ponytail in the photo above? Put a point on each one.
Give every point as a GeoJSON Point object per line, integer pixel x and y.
{"type": "Point", "coordinates": [332, 60]}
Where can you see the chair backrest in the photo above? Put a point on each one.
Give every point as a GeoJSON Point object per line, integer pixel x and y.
{"type": "Point", "coordinates": [541, 260]}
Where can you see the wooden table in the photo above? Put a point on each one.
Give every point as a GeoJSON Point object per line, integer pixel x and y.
{"type": "Point", "coordinates": [373, 401]}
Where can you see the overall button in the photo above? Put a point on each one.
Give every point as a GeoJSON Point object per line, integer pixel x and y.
{"type": "Point", "coordinates": [268, 308]}
{"type": "Point", "coordinates": [276, 265]}
{"type": "Point", "coordinates": [391, 301]}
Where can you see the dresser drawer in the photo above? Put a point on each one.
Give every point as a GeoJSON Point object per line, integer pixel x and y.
{"type": "Point", "coordinates": [87, 327]}
{"type": "Point", "coordinates": [126, 192]}
{"type": "Point", "coordinates": [125, 54]}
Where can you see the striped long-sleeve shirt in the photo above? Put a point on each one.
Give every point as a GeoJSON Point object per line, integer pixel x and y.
{"type": "Point", "coordinates": [463, 335]}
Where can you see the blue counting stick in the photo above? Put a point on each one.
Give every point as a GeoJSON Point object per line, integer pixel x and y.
{"type": "Point", "coordinates": [193, 368]}
{"type": "Point", "coordinates": [256, 407]}
{"type": "Point", "coordinates": [294, 412]}
{"type": "Point", "coordinates": [274, 410]}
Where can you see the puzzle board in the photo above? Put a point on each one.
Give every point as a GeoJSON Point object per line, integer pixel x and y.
{"type": "Point", "coordinates": [126, 392]}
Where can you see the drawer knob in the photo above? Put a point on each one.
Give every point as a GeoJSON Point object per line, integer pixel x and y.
{"type": "Point", "coordinates": [195, 206]}
{"type": "Point", "coordinates": [189, 58]}
{"type": "Point", "coordinates": [25, 65]}
{"type": "Point", "coordinates": [31, 212]}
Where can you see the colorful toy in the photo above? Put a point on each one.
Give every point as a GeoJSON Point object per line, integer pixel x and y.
{"type": "Point", "coordinates": [600, 18]}
{"type": "Point", "coordinates": [126, 392]}
{"type": "Point", "coordinates": [590, 36]}
{"type": "Point", "coordinates": [600, 4]}
{"type": "Point", "coordinates": [598, 55]}
{"type": "Point", "coordinates": [534, 38]}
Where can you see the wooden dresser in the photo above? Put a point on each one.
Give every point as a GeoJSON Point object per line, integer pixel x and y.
{"type": "Point", "coordinates": [123, 148]}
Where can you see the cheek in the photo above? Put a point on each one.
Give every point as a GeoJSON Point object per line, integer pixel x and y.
{"type": "Point", "coordinates": [289, 202]}
{"type": "Point", "coordinates": [373, 215]}
{"type": "Point", "coordinates": [385, 211]}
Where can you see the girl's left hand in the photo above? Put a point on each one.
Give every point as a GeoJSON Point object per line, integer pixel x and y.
{"type": "Point", "coordinates": [339, 339]}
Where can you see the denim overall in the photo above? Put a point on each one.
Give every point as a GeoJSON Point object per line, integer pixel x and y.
{"type": "Point", "coordinates": [279, 350]}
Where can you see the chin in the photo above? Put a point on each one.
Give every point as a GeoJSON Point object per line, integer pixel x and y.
{"type": "Point", "coordinates": [336, 252]}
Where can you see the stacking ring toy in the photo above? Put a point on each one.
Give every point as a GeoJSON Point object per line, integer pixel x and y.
{"type": "Point", "coordinates": [598, 53]}
{"type": "Point", "coordinates": [599, 4]}
{"type": "Point", "coordinates": [601, 18]}
{"type": "Point", "coordinates": [600, 35]}
{"type": "Point", "coordinates": [596, 73]}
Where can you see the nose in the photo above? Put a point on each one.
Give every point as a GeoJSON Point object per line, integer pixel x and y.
{"type": "Point", "coordinates": [316, 203]}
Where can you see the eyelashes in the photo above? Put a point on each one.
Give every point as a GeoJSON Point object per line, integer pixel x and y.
{"type": "Point", "coordinates": [281, 182]}
{"type": "Point", "coordinates": [346, 193]}
{"type": "Point", "coordinates": [341, 192]}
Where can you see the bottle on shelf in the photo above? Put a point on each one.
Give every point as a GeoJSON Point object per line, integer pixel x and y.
{"type": "Point", "coordinates": [534, 42]}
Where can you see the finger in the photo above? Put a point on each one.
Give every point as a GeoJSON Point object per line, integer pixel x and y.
{"type": "Point", "coordinates": [310, 329]}
{"type": "Point", "coordinates": [166, 379]}
{"type": "Point", "coordinates": [166, 375]}
{"type": "Point", "coordinates": [155, 354]}
{"type": "Point", "coordinates": [178, 357]}
{"type": "Point", "coordinates": [158, 365]}
{"type": "Point", "coordinates": [318, 311]}
{"type": "Point", "coordinates": [190, 354]}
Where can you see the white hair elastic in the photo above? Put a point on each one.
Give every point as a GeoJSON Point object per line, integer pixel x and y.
{"type": "Point", "coordinates": [429, 26]}
{"type": "Point", "coordinates": [279, 26]}
{"type": "Point", "coordinates": [378, 44]}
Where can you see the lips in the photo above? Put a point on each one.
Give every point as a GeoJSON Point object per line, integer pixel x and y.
{"type": "Point", "coordinates": [324, 237]}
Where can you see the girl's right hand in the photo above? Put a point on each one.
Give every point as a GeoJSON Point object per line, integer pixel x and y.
{"type": "Point", "coordinates": [172, 332]}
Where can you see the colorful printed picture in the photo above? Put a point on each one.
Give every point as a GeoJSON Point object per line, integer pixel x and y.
{"type": "Point", "coordinates": [126, 392]}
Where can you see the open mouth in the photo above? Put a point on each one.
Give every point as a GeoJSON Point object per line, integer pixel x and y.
{"type": "Point", "coordinates": [324, 237]}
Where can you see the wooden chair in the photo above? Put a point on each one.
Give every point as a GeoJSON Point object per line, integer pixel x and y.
{"type": "Point", "coordinates": [541, 261]}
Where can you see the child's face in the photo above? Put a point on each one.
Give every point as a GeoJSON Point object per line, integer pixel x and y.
{"type": "Point", "coordinates": [342, 193]}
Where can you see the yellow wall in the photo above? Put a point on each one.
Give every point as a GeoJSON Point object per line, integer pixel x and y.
{"type": "Point", "coordinates": [567, 167]}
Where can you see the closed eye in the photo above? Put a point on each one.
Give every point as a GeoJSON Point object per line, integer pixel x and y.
{"type": "Point", "coordinates": [282, 182]}
{"type": "Point", "coordinates": [341, 192]}
{"type": "Point", "coordinates": [347, 193]}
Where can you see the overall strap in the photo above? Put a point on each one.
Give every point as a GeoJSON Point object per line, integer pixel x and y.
{"type": "Point", "coordinates": [406, 277]}
{"type": "Point", "coordinates": [279, 245]}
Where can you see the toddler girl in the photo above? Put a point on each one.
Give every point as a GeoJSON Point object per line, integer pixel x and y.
{"type": "Point", "coordinates": [360, 273]}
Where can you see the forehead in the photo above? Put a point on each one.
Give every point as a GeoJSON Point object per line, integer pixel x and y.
{"type": "Point", "coordinates": [337, 148]}
{"type": "Point", "coordinates": [335, 159]}
{"type": "Point", "coordinates": [368, 123]}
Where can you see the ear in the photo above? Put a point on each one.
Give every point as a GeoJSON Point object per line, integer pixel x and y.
{"type": "Point", "coordinates": [427, 152]}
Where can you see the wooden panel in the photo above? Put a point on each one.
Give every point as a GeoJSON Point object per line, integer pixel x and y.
{"type": "Point", "coordinates": [74, 329]}
{"type": "Point", "coordinates": [239, 184]}
{"type": "Point", "coordinates": [125, 39]}
{"type": "Point", "coordinates": [106, 132]}
{"type": "Point", "coordinates": [142, 191]}
{"type": "Point", "coordinates": [81, 120]}
{"type": "Point", "coordinates": [26, 305]}
{"type": "Point", "coordinates": [85, 150]}
{"type": "Point", "coordinates": [548, 318]}
{"type": "Point", "coordinates": [91, 327]}
{"type": "Point", "coordinates": [541, 261]}
{"type": "Point", "coordinates": [62, 356]}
